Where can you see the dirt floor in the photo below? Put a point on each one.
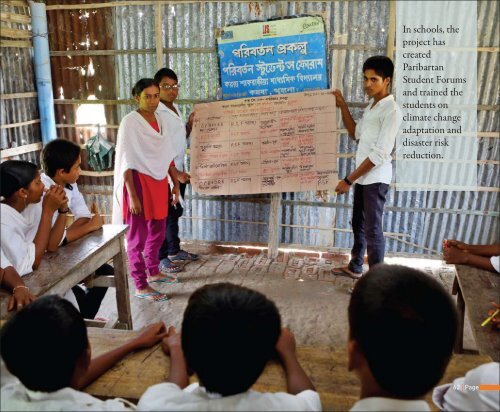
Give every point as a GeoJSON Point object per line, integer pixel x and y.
{"type": "Point", "coordinates": [312, 301]}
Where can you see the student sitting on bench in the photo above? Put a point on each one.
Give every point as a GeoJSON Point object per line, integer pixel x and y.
{"type": "Point", "coordinates": [60, 160]}
{"type": "Point", "coordinates": [402, 326]}
{"type": "Point", "coordinates": [45, 346]}
{"type": "Point", "coordinates": [229, 333]}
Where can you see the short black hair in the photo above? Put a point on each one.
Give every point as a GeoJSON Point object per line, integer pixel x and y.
{"type": "Point", "coordinates": [42, 343]}
{"type": "Point", "coordinates": [405, 323]}
{"type": "Point", "coordinates": [229, 333]}
{"type": "Point", "coordinates": [15, 175]}
{"type": "Point", "coordinates": [143, 84]}
{"type": "Point", "coordinates": [165, 72]}
{"type": "Point", "coordinates": [381, 65]}
{"type": "Point", "coordinates": [59, 154]}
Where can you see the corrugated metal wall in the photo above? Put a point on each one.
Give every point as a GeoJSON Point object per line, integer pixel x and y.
{"type": "Point", "coordinates": [356, 30]}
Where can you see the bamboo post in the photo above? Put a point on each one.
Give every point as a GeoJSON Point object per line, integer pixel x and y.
{"type": "Point", "coordinates": [158, 34]}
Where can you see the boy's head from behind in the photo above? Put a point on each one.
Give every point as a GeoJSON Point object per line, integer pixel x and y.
{"type": "Point", "coordinates": [45, 343]}
{"type": "Point", "coordinates": [229, 332]}
{"type": "Point", "coordinates": [402, 326]}
{"type": "Point", "coordinates": [61, 159]}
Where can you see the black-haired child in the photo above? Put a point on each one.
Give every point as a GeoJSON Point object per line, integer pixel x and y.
{"type": "Point", "coordinates": [402, 327]}
{"type": "Point", "coordinates": [45, 346]}
{"type": "Point", "coordinates": [229, 333]}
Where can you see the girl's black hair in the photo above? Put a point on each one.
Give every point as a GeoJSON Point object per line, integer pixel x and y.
{"type": "Point", "coordinates": [15, 175]}
{"type": "Point", "coordinates": [143, 84]}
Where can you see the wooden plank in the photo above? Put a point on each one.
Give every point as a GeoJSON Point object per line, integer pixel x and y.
{"type": "Point", "coordinates": [92, 173]}
{"type": "Point", "coordinates": [15, 3]}
{"type": "Point", "coordinates": [326, 365]}
{"type": "Point", "coordinates": [122, 289]}
{"type": "Point", "coordinates": [15, 151]}
{"type": "Point", "coordinates": [63, 53]}
{"type": "Point", "coordinates": [26, 123]}
{"type": "Point", "coordinates": [274, 225]}
{"type": "Point", "coordinates": [479, 288]}
{"type": "Point", "coordinates": [16, 43]}
{"type": "Point", "coordinates": [18, 95]}
{"type": "Point", "coordinates": [391, 34]}
{"type": "Point", "coordinates": [15, 18]}
{"type": "Point", "coordinates": [15, 33]}
{"type": "Point", "coordinates": [60, 271]}
{"type": "Point", "coordinates": [158, 8]}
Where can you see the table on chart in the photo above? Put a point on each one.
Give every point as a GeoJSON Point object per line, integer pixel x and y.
{"type": "Point", "coordinates": [280, 143]}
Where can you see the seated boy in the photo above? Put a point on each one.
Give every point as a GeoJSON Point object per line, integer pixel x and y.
{"type": "Point", "coordinates": [485, 257]}
{"type": "Point", "coordinates": [60, 160]}
{"type": "Point", "coordinates": [402, 326]}
{"type": "Point", "coordinates": [45, 346]}
{"type": "Point", "coordinates": [229, 333]}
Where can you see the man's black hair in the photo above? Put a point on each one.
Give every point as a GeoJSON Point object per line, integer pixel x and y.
{"type": "Point", "coordinates": [42, 343]}
{"type": "Point", "coordinates": [143, 84]}
{"type": "Point", "coordinates": [405, 324]}
{"type": "Point", "coordinates": [59, 154]}
{"type": "Point", "coordinates": [381, 65]}
{"type": "Point", "coordinates": [15, 175]}
{"type": "Point", "coordinates": [229, 332]}
{"type": "Point", "coordinates": [165, 72]}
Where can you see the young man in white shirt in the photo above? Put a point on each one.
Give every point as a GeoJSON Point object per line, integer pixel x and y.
{"type": "Point", "coordinates": [229, 333]}
{"type": "Point", "coordinates": [402, 327]}
{"type": "Point", "coordinates": [47, 354]}
{"type": "Point", "coordinates": [376, 134]}
{"type": "Point", "coordinates": [171, 251]}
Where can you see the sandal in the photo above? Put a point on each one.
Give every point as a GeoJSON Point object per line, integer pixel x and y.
{"type": "Point", "coordinates": [153, 296]}
{"type": "Point", "coordinates": [345, 271]}
{"type": "Point", "coordinates": [163, 279]}
{"type": "Point", "coordinates": [167, 267]}
{"type": "Point", "coordinates": [183, 255]}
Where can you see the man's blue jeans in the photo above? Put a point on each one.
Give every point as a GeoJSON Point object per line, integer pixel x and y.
{"type": "Point", "coordinates": [367, 212]}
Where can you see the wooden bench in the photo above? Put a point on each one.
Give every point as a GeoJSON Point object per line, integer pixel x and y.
{"type": "Point", "coordinates": [60, 271]}
{"type": "Point", "coordinates": [327, 367]}
{"type": "Point", "coordinates": [475, 290]}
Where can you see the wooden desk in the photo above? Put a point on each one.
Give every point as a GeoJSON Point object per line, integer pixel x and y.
{"type": "Point", "coordinates": [326, 366]}
{"type": "Point", "coordinates": [475, 289]}
{"type": "Point", "coordinates": [60, 271]}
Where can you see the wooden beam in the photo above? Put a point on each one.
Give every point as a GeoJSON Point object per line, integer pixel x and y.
{"type": "Point", "coordinates": [26, 123]}
{"type": "Point", "coordinates": [62, 53]}
{"type": "Point", "coordinates": [92, 173]}
{"type": "Point", "coordinates": [16, 43]}
{"type": "Point", "coordinates": [18, 95]}
{"type": "Point", "coordinates": [391, 35]}
{"type": "Point", "coordinates": [158, 10]}
{"type": "Point", "coordinates": [15, 151]}
{"type": "Point", "coordinates": [15, 33]}
{"type": "Point", "coordinates": [15, 18]}
{"type": "Point", "coordinates": [274, 225]}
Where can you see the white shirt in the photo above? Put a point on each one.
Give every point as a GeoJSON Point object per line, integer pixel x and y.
{"type": "Point", "coordinates": [457, 396]}
{"type": "Point", "coordinates": [376, 133]}
{"type": "Point", "coordinates": [390, 404]}
{"type": "Point", "coordinates": [76, 201]}
{"type": "Point", "coordinates": [17, 247]}
{"type": "Point", "coordinates": [169, 396]}
{"type": "Point", "coordinates": [495, 262]}
{"type": "Point", "coordinates": [18, 231]}
{"type": "Point", "coordinates": [176, 131]}
{"type": "Point", "coordinates": [16, 397]}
